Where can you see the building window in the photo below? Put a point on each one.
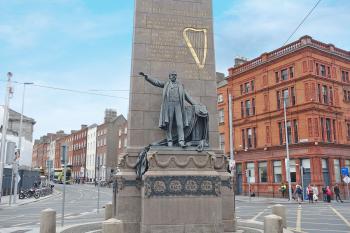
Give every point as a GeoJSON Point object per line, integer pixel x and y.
{"type": "Point", "coordinates": [220, 98]}
{"type": "Point", "coordinates": [252, 85]}
{"type": "Point", "coordinates": [247, 107]}
{"type": "Point", "coordinates": [278, 100]}
{"type": "Point", "coordinates": [319, 93]}
{"type": "Point", "coordinates": [280, 131]}
{"type": "Point", "coordinates": [241, 89]}
{"type": "Point", "coordinates": [285, 95]}
{"type": "Point", "coordinates": [328, 130]}
{"type": "Point", "coordinates": [295, 126]}
{"type": "Point", "coordinates": [331, 95]}
{"type": "Point", "coordinates": [277, 77]}
{"type": "Point", "coordinates": [284, 74]}
{"type": "Point", "coordinates": [289, 132]}
{"type": "Point", "coordinates": [336, 170]}
{"type": "Point", "coordinates": [293, 170]}
{"type": "Point", "coordinates": [249, 138]}
{"type": "Point", "coordinates": [291, 72]}
{"type": "Point", "coordinates": [251, 172]}
{"type": "Point", "coordinates": [255, 137]}
{"type": "Point", "coordinates": [262, 172]}
{"type": "Point", "coordinates": [222, 141]}
{"type": "Point", "coordinates": [292, 92]}
{"type": "Point", "coordinates": [322, 128]}
{"type": "Point", "coordinates": [221, 116]}
{"type": "Point", "coordinates": [334, 131]}
{"type": "Point", "coordinates": [323, 70]}
{"type": "Point", "coordinates": [309, 126]}
{"type": "Point", "coordinates": [243, 139]}
{"type": "Point", "coordinates": [347, 164]}
{"type": "Point", "coordinates": [325, 94]}
{"type": "Point", "coordinates": [277, 172]}
{"type": "Point", "coordinates": [348, 130]}
{"type": "Point", "coordinates": [246, 87]}
{"type": "Point", "coordinates": [345, 76]}
{"type": "Point", "coordinates": [242, 109]}
{"type": "Point", "coordinates": [253, 106]}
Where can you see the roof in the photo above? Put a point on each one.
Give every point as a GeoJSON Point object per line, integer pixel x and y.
{"type": "Point", "coordinates": [303, 42]}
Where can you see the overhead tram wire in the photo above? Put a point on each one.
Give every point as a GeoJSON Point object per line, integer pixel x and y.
{"type": "Point", "coordinates": [306, 16]}
{"type": "Point", "coordinates": [71, 90]}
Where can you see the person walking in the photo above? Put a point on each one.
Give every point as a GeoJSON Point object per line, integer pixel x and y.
{"type": "Point", "coordinates": [337, 193]}
{"type": "Point", "coordinates": [315, 190]}
{"type": "Point", "coordinates": [283, 189]}
{"type": "Point", "coordinates": [329, 194]}
{"type": "Point", "coordinates": [310, 193]}
{"type": "Point", "coordinates": [298, 193]}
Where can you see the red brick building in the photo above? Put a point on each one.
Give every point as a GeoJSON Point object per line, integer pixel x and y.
{"type": "Point", "coordinates": [313, 78]}
{"type": "Point", "coordinates": [79, 153]}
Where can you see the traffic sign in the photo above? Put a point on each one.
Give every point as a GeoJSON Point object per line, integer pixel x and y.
{"type": "Point", "coordinates": [345, 171]}
{"type": "Point", "coordinates": [346, 179]}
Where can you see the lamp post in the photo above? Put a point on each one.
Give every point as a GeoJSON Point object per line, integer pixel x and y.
{"type": "Point", "coordinates": [232, 160]}
{"type": "Point", "coordinates": [16, 162]}
{"type": "Point", "coordinates": [4, 128]}
{"type": "Point", "coordinates": [287, 149]}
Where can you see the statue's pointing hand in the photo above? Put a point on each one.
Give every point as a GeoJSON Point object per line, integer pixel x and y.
{"type": "Point", "coordinates": [143, 74]}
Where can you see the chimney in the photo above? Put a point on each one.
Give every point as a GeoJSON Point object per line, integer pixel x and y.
{"type": "Point", "coordinates": [83, 126]}
{"type": "Point", "coordinates": [110, 115]}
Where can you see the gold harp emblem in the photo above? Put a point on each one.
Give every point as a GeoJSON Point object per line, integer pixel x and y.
{"type": "Point", "coordinates": [197, 42]}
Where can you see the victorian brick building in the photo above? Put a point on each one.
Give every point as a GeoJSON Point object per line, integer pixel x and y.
{"type": "Point", "coordinates": [313, 79]}
{"type": "Point", "coordinates": [78, 160]}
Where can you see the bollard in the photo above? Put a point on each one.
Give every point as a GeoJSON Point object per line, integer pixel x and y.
{"type": "Point", "coordinates": [273, 224]}
{"type": "Point", "coordinates": [112, 225]}
{"type": "Point", "coordinates": [48, 221]}
{"type": "Point", "coordinates": [108, 211]}
{"type": "Point", "coordinates": [280, 210]}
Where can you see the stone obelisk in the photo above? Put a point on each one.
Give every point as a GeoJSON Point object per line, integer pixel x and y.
{"type": "Point", "coordinates": [183, 190]}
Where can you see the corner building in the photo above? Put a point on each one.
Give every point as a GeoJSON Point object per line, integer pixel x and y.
{"type": "Point", "coordinates": [313, 78]}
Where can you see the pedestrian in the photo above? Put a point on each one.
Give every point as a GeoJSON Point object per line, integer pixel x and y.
{"type": "Point", "coordinates": [329, 194]}
{"type": "Point", "coordinates": [298, 193]}
{"type": "Point", "coordinates": [337, 193]}
{"type": "Point", "coordinates": [283, 189]}
{"type": "Point", "coordinates": [310, 193]}
{"type": "Point", "coordinates": [324, 193]}
{"type": "Point", "coordinates": [315, 190]}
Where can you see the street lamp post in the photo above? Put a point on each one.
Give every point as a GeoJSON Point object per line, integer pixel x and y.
{"type": "Point", "coordinates": [4, 128]}
{"type": "Point", "coordinates": [287, 150]}
{"type": "Point", "coordinates": [16, 163]}
{"type": "Point", "coordinates": [232, 160]}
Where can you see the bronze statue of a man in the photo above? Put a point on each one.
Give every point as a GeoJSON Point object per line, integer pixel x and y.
{"type": "Point", "coordinates": [172, 107]}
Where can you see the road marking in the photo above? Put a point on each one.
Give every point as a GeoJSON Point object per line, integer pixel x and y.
{"type": "Point", "coordinates": [340, 216]}
{"type": "Point", "coordinates": [298, 223]}
{"type": "Point", "coordinates": [21, 224]}
{"type": "Point", "coordinates": [258, 215]}
{"type": "Point", "coordinates": [5, 219]}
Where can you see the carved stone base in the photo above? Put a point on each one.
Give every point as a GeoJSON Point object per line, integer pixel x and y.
{"type": "Point", "coordinates": [182, 191]}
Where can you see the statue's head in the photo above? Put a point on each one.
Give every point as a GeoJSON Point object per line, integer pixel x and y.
{"type": "Point", "coordinates": [173, 76]}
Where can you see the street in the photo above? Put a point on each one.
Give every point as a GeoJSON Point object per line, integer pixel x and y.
{"type": "Point", "coordinates": [80, 207]}
{"type": "Point", "coordinates": [312, 218]}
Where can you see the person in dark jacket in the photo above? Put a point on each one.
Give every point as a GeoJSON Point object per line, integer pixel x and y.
{"type": "Point", "coordinates": [337, 193]}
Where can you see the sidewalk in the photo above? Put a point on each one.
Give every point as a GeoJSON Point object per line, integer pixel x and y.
{"type": "Point", "coordinates": [5, 200]}
{"type": "Point", "coordinates": [271, 200]}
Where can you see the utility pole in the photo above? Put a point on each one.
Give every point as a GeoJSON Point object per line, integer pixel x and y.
{"type": "Point", "coordinates": [64, 161]}
{"type": "Point", "coordinates": [8, 92]}
{"type": "Point", "coordinates": [287, 150]}
{"type": "Point", "coordinates": [232, 159]}
{"type": "Point", "coordinates": [98, 184]}
{"type": "Point", "coordinates": [16, 163]}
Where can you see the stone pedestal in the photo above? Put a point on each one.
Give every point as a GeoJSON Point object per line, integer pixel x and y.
{"type": "Point", "coordinates": [182, 191]}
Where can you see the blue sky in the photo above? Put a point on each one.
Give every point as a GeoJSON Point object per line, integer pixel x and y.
{"type": "Point", "coordinates": [86, 44]}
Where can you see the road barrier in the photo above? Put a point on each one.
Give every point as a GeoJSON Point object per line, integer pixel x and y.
{"type": "Point", "coordinates": [273, 224]}
{"type": "Point", "coordinates": [112, 226]}
{"type": "Point", "coordinates": [48, 221]}
{"type": "Point", "coordinates": [108, 211]}
{"type": "Point", "coordinates": [280, 210]}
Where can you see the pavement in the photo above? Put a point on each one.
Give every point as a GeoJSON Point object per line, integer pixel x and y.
{"type": "Point", "coordinates": [5, 200]}
{"type": "Point", "coordinates": [318, 217]}
{"type": "Point", "coordinates": [80, 207]}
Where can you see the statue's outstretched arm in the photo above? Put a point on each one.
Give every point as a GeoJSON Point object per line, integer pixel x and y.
{"type": "Point", "coordinates": [153, 81]}
{"type": "Point", "coordinates": [189, 99]}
